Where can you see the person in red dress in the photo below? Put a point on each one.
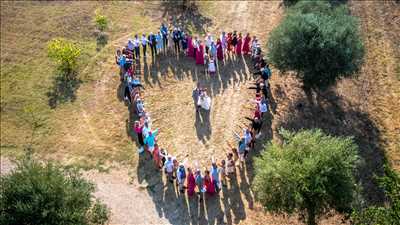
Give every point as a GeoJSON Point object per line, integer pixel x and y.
{"type": "Point", "coordinates": [208, 183]}
{"type": "Point", "coordinates": [229, 41]}
{"type": "Point", "coordinates": [200, 54]}
{"type": "Point", "coordinates": [239, 45]}
{"type": "Point", "coordinates": [156, 156]}
{"type": "Point", "coordinates": [220, 50]}
{"type": "Point", "coordinates": [190, 182]}
{"type": "Point", "coordinates": [246, 44]}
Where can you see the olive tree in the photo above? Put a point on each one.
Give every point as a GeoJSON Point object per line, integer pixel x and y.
{"type": "Point", "coordinates": [48, 195]}
{"type": "Point", "coordinates": [309, 173]}
{"type": "Point", "coordinates": [65, 53]}
{"type": "Point", "coordinates": [318, 41]}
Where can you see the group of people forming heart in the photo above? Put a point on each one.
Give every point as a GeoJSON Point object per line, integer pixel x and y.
{"type": "Point", "coordinates": [207, 51]}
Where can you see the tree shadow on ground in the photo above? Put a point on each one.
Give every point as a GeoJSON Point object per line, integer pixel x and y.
{"type": "Point", "coordinates": [186, 16]}
{"type": "Point", "coordinates": [63, 90]}
{"type": "Point", "coordinates": [335, 116]}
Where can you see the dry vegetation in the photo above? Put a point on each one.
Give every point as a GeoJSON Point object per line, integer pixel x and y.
{"type": "Point", "coordinates": [92, 127]}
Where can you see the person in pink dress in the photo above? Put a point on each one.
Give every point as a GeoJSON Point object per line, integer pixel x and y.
{"type": "Point", "coordinates": [200, 54]}
{"type": "Point", "coordinates": [246, 44]}
{"type": "Point", "coordinates": [220, 50]}
{"type": "Point", "coordinates": [190, 50]}
{"type": "Point", "coordinates": [239, 45]}
{"type": "Point", "coordinates": [191, 182]}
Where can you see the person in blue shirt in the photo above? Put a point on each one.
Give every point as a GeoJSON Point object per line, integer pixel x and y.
{"type": "Point", "coordinates": [164, 33]}
{"type": "Point", "coordinates": [153, 44]}
{"type": "Point", "coordinates": [159, 39]}
{"type": "Point", "coordinates": [180, 177]}
{"type": "Point", "coordinates": [150, 140]}
{"type": "Point", "coordinates": [215, 176]}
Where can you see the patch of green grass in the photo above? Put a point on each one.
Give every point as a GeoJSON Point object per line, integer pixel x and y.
{"type": "Point", "coordinates": [27, 75]}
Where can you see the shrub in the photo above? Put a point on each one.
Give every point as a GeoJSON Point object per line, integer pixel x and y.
{"type": "Point", "coordinates": [101, 21]}
{"type": "Point", "coordinates": [320, 42]}
{"type": "Point", "coordinates": [293, 2]}
{"type": "Point", "coordinates": [65, 53]}
{"type": "Point", "coordinates": [289, 2]}
{"type": "Point", "coordinates": [46, 194]}
{"type": "Point", "coordinates": [383, 215]}
{"type": "Point", "coordinates": [310, 173]}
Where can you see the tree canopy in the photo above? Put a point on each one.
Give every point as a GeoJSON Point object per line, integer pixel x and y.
{"type": "Point", "coordinates": [48, 195]}
{"type": "Point", "coordinates": [383, 215]}
{"type": "Point", "coordinates": [310, 173]}
{"type": "Point", "coordinates": [318, 41]}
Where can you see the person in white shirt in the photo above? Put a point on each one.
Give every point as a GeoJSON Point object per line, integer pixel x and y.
{"type": "Point", "coordinates": [223, 41]}
{"type": "Point", "coordinates": [169, 168]}
{"type": "Point", "coordinates": [130, 46]}
{"type": "Point", "coordinates": [204, 101]}
{"type": "Point", "coordinates": [208, 42]}
{"type": "Point", "coordinates": [254, 45]}
{"type": "Point", "coordinates": [145, 41]}
{"type": "Point", "coordinates": [211, 67]}
{"type": "Point", "coordinates": [262, 105]}
{"type": "Point", "coordinates": [136, 43]}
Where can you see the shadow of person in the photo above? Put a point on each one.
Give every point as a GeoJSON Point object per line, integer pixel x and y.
{"type": "Point", "coordinates": [213, 209]}
{"type": "Point", "coordinates": [168, 203]}
{"type": "Point", "coordinates": [244, 184]}
{"type": "Point", "coordinates": [203, 125]}
{"type": "Point", "coordinates": [233, 202]}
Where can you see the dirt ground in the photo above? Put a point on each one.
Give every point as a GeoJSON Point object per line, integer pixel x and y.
{"type": "Point", "coordinates": [169, 82]}
{"type": "Point", "coordinates": [138, 194]}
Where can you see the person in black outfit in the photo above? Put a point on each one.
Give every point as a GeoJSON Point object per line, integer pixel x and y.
{"type": "Point", "coordinates": [176, 38]}
{"type": "Point", "coordinates": [260, 87]}
{"type": "Point", "coordinates": [152, 44]}
{"type": "Point", "coordinates": [234, 40]}
{"type": "Point", "coordinates": [256, 124]}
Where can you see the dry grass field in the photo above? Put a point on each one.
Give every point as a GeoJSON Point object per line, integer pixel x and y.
{"type": "Point", "coordinates": [88, 125]}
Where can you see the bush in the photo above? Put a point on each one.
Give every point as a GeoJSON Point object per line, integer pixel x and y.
{"type": "Point", "coordinates": [320, 42]}
{"type": "Point", "coordinates": [332, 2]}
{"type": "Point", "coordinates": [37, 194]}
{"type": "Point", "coordinates": [65, 53]}
{"type": "Point", "coordinates": [384, 215]}
{"type": "Point", "coordinates": [289, 2]}
{"type": "Point", "coordinates": [310, 173]}
{"type": "Point", "coordinates": [101, 21]}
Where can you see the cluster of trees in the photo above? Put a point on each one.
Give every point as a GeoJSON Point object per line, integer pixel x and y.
{"type": "Point", "coordinates": [318, 40]}
{"type": "Point", "coordinates": [47, 194]}
{"type": "Point", "coordinates": [311, 172]}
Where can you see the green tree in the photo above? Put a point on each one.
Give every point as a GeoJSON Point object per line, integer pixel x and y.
{"type": "Point", "coordinates": [48, 195]}
{"type": "Point", "coordinates": [318, 41]}
{"type": "Point", "coordinates": [310, 173]}
{"type": "Point", "coordinates": [100, 20]}
{"type": "Point", "coordinates": [65, 53]}
{"type": "Point", "coordinates": [383, 215]}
